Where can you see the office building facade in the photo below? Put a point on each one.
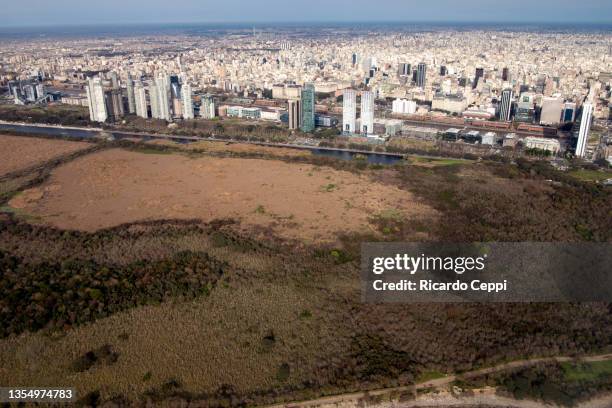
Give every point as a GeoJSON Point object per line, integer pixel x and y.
{"type": "Point", "coordinates": [552, 109]}
{"type": "Point", "coordinates": [404, 69]}
{"type": "Point", "coordinates": [505, 105]}
{"type": "Point", "coordinates": [308, 108]}
{"type": "Point", "coordinates": [295, 113]}
{"type": "Point", "coordinates": [569, 112]}
{"type": "Point", "coordinates": [421, 75]}
{"type": "Point", "coordinates": [585, 127]}
{"type": "Point", "coordinates": [477, 77]}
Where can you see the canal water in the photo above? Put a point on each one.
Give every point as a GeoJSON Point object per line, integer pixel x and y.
{"type": "Point", "coordinates": [372, 158]}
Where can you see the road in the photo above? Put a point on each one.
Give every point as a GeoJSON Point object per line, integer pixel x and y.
{"type": "Point", "coordinates": [351, 399]}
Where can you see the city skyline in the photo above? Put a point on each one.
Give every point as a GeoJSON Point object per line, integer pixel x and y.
{"type": "Point", "coordinates": [70, 12]}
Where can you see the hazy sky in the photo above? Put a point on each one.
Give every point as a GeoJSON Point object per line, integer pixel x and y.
{"type": "Point", "coordinates": [62, 12]}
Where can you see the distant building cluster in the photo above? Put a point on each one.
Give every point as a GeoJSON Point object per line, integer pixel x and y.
{"type": "Point", "coordinates": [358, 81]}
{"type": "Point", "coordinates": [30, 91]}
{"type": "Point", "coordinates": [166, 97]}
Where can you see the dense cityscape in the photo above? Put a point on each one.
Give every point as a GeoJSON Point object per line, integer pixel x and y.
{"type": "Point", "coordinates": [306, 214]}
{"type": "Point", "coordinates": [369, 83]}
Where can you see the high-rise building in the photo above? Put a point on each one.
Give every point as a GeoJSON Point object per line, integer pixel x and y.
{"type": "Point", "coordinates": [404, 69]}
{"type": "Point", "coordinates": [177, 108]}
{"type": "Point", "coordinates": [187, 102]}
{"type": "Point", "coordinates": [162, 85]}
{"type": "Point", "coordinates": [552, 109]}
{"type": "Point", "coordinates": [479, 74]}
{"type": "Point", "coordinates": [114, 80]}
{"type": "Point", "coordinates": [207, 109]}
{"type": "Point", "coordinates": [154, 98]}
{"type": "Point", "coordinates": [525, 111]}
{"type": "Point", "coordinates": [505, 74]}
{"type": "Point", "coordinates": [354, 59]}
{"type": "Point", "coordinates": [175, 87]}
{"type": "Point", "coordinates": [585, 127]}
{"type": "Point", "coordinates": [308, 108]}
{"type": "Point", "coordinates": [95, 100]}
{"type": "Point", "coordinates": [113, 99]}
{"type": "Point", "coordinates": [295, 113]}
{"type": "Point", "coordinates": [421, 78]}
{"type": "Point", "coordinates": [505, 105]}
{"type": "Point", "coordinates": [443, 70]}
{"type": "Point", "coordinates": [140, 100]}
{"type": "Point", "coordinates": [27, 91]}
{"type": "Point", "coordinates": [367, 112]}
{"type": "Point", "coordinates": [569, 112]}
{"type": "Point", "coordinates": [349, 111]}
{"type": "Point", "coordinates": [131, 98]}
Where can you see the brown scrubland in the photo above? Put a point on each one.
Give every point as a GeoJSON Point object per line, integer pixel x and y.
{"type": "Point", "coordinates": [226, 300]}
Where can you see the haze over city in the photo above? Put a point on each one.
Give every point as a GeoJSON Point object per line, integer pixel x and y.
{"type": "Point", "coordinates": [77, 12]}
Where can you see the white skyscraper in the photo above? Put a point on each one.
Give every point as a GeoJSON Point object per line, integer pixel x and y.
{"type": "Point", "coordinates": [367, 112]}
{"type": "Point", "coordinates": [140, 100]}
{"type": "Point", "coordinates": [187, 101]}
{"type": "Point", "coordinates": [349, 111]}
{"type": "Point", "coordinates": [95, 99]}
{"type": "Point", "coordinates": [162, 87]}
{"type": "Point", "coordinates": [585, 127]}
{"type": "Point", "coordinates": [207, 109]}
{"type": "Point", "coordinates": [154, 98]}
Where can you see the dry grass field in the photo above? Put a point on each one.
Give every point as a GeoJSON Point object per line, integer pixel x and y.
{"type": "Point", "coordinates": [203, 344]}
{"type": "Point", "coordinates": [296, 201]}
{"type": "Point", "coordinates": [18, 153]}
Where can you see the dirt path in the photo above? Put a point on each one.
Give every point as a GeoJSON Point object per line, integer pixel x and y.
{"type": "Point", "coordinates": [449, 400]}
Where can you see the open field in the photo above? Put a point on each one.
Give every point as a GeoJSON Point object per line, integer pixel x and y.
{"type": "Point", "coordinates": [587, 371]}
{"type": "Point", "coordinates": [296, 201]}
{"type": "Point", "coordinates": [436, 161]}
{"type": "Point", "coordinates": [18, 153]}
{"type": "Point", "coordinates": [591, 175]}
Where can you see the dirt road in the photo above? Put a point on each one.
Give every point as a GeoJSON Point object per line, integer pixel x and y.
{"type": "Point", "coordinates": [449, 400]}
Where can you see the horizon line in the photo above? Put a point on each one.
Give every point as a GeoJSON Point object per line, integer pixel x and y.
{"type": "Point", "coordinates": [305, 22]}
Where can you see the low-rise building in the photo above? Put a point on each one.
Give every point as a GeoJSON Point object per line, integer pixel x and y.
{"type": "Point", "coordinates": [541, 143]}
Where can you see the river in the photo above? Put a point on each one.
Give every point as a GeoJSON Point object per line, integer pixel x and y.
{"type": "Point", "coordinates": [372, 158]}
